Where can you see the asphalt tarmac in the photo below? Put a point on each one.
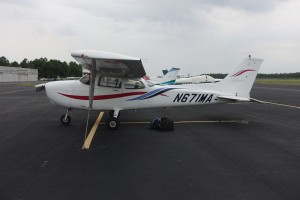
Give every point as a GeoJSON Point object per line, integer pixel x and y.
{"type": "Point", "coordinates": [234, 151]}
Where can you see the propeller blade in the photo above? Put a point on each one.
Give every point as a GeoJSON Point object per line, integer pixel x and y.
{"type": "Point", "coordinates": [39, 87]}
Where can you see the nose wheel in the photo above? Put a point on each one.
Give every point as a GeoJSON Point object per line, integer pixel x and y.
{"type": "Point", "coordinates": [65, 119]}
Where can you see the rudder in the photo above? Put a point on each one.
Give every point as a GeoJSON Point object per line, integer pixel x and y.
{"type": "Point", "coordinates": [240, 81]}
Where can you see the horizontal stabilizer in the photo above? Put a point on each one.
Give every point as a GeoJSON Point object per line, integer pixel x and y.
{"type": "Point", "coordinates": [235, 98]}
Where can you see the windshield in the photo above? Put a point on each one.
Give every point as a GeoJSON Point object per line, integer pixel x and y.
{"type": "Point", "coordinates": [150, 84]}
{"type": "Point", "coordinates": [85, 79]}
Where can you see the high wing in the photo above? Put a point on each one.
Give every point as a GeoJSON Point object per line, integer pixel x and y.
{"type": "Point", "coordinates": [110, 64]}
{"type": "Point", "coordinates": [107, 64]}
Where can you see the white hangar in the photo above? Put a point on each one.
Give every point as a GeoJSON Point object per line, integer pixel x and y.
{"type": "Point", "coordinates": [17, 74]}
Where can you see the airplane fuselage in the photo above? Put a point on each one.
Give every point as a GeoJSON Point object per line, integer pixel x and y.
{"type": "Point", "coordinates": [113, 85]}
{"type": "Point", "coordinates": [121, 94]}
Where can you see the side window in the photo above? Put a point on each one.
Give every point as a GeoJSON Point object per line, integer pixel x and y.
{"type": "Point", "coordinates": [110, 82]}
{"type": "Point", "coordinates": [133, 84]}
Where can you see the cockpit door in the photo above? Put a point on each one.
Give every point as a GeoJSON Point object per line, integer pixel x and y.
{"type": "Point", "coordinates": [108, 93]}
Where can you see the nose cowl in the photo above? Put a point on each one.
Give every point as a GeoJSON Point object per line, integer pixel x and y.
{"type": "Point", "coordinates": [57, 90]}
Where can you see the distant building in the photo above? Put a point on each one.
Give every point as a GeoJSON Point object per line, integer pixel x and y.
{"type": "Point", "coordinates": [17, 74]}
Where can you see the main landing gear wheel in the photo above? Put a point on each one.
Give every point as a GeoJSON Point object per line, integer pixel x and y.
{"type": "Point", "coordinates": [65, 120]}
{"type": "Point", "coordinates": [112, 123]}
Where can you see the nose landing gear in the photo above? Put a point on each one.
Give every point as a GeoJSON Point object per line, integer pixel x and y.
{"type": "Point", "coordinates": [112, 122]}
{"type": "Point", "coordinates": [65, 119]}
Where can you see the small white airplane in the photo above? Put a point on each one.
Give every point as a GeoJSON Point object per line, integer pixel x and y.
{"type": "Point", "coordinates": [168, 78]}
{"type": "Point", "coordinates": [115, 84]}
{"type": "Point", "coordinates": [196, 80]}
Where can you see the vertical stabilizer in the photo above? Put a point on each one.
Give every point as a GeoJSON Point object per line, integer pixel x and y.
{"type": "Point", "coordinates": [240, 81]}
{"type": "Point", "coordinates": [168, 79]}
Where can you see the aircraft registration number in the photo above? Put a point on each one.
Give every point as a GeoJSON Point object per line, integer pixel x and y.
{"type": "Point", "coordinates": [187, 97]}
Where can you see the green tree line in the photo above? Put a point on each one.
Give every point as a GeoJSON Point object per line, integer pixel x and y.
{"type": "Point", "coordinates": [55, 68]}
{"type": "Point", "coordinates": [47, 68]}
{"type": "Point", "coordinates": [280, 75]}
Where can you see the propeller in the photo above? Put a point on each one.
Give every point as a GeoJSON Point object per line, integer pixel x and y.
{"type": "Point", "coordinates": [40, 87]}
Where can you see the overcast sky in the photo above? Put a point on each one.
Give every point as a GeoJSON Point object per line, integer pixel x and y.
{"type": "Point", "coordinates": [199, 36]}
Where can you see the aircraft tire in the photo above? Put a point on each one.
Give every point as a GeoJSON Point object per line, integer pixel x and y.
{"type": "Point", "coordinates": [65, 122]}
{"type": "Point", "coordinates": [112, 123]}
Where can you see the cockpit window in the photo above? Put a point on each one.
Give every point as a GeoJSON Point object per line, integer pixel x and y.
{"type": "Point", "coordinates": [110, 82]}
{"type": "Point", "coordinates": [85, 79]}
{"type": "Point", "coordinates": [133, 84]}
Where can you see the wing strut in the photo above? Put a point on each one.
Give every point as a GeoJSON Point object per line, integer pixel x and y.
{"type": "Point", "coordinates": [91, 94]}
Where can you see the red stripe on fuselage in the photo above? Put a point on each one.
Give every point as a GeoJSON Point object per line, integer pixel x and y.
{"type": "Point", "coordinates": [103, 97]}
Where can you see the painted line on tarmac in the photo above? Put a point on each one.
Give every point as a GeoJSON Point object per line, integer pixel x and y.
{"type": "Point", "coordinates": [14, 91]}
{"type": "Point", "coordinates": [296, 90]}
{"type": "Point", "coordinates": [185, 122]}
{"type": "Point", "coordinates": [90, 137]}
{"type": "Point", "coordinates": [102, 123]}
{"type": "Point", "coordinates": [267, 102]}
{"type": "Point", "coordinates": [215, 121]}
{"type": "Point", "coordinates": [279, 104]}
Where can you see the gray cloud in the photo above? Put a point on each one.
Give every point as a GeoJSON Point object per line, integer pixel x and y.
{"type": "Point", "coordinates": [248, 6]}
{"type": "Point", "coordinates": [18, 2]}
{"type": "Point", "coordinates": [167, 11]}
{"type": "Point", "coordinates": [198, 36]}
